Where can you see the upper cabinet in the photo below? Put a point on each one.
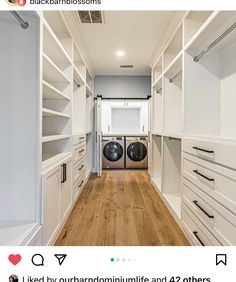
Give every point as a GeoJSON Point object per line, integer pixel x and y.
{"type": "Point", "coordinates": [124, 117]}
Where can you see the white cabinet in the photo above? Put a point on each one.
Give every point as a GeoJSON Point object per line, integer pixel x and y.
{"type": "Point", "coordinates": [51, 204]}
{"type": "Point", "coordinates": [106, 117]}
{"type": "Point", "coordinates": [66, 191]}
{"type": "Point", "coordinates": [57, 198]}
{"type": "Point", "coordinates": [114, 116]}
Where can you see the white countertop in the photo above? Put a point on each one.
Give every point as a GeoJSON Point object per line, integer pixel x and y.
{"type": "Point", "coordinates": [126, 134]}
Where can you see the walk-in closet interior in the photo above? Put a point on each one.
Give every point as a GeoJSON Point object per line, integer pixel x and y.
{"type": "Point", "coordinates": [71, 118]}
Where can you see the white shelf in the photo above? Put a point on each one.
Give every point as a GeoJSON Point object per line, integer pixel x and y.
{"type": "Point", "coordinates": [174, 65]}
{"type": "Point", "coordinates": [157, 80]}
{"type": "Point", "coordinates": [51, 72]}
{"type": "Point", "coordinates": [89, 91]}
{"type": "Point", "coordinates": [51, 159]}
{"type": "Point", "coordinates": [53, 47]}
{"type": "Point", "coordinates": [51, 113]}
{"type": "Point", "coordinates": [78, 76]}
{"type": "Point", "coordinates": [173, 135]}
{"type": "Point", "coordinates": [157, 133]}
{"type": "Point", "coordinates": [50, 138]}
{"type": "Point", "coordinates": [15, 233]}
{"type": "Point", "coordinates": [175, 203]}
{"type": "Point", "coordinates": [52, 93]}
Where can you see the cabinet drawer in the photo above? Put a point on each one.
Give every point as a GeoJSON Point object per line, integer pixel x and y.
{"type": "Point", "coordinates": [79, 184]}
{"type": "Point", "coordinates": [196, 231]}
{"type": "Point", "coordinates": [79, 151]}
{"type": "Point", "coordinates": [215, 151]}
{"type": "Point", "coordinates": [77, 139]}
{"type": "Point", "coordinates": [78, 169]}
{"type": "Point", "coordinates": [217, 181]}
{"type": "Point", "coordinates": [219, 221]}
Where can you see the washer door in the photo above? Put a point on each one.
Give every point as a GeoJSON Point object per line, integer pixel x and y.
{"type": "Point", "coordinates": [137, 151]}
{"type": "Point", "coordinates": [113, 151]}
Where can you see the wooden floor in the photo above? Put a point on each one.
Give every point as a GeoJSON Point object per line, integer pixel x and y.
{"type": "Point", "coordinates": [120, 209]}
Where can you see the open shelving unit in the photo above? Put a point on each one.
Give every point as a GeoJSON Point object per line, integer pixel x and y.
{"type": "Point", "coordinates": [157, 70]}
{"type": "Point", "coordinates": [214, 80]}
{"type": "Point", "coordinates": [57, 23]}
{"type": "Point", "coordinates": [193, 22]}
{"type": "Point", "coordinates": [197, 74]}
{"type": "Point", "coordinates": [157, 107]}
{"type": "Point", "coordinates": [157, 155]}
{"type": "Point", "coordinates": [57, 88]}
{"type": "Point", "coordinates": [172, 173]}
{"type": "Point", "coordinates": [174, 47]}
{"type": "Point", "coordinates": [173, 98]}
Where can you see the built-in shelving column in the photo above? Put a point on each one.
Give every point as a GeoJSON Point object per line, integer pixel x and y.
{"type": "Point", "coordinates": [57, 89]}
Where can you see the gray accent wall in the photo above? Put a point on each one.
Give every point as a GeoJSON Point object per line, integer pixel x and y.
{"type": "Point", "coordinates": [122, 86]}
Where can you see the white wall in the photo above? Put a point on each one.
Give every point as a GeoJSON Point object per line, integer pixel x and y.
{"type": "Point", "coordinates": [122, 86]}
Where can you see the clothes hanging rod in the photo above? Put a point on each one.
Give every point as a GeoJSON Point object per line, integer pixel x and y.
{"type": "Point", "coordinates": [76, 83]}
{"type": "Point", "coordinates": [119, 98]}
{"type": "Point", "coordinates": [214, 43]}
{"type": "Point", "coordinates": [172, 79]}
{"type": "Point", "coordinates": [23, 23]}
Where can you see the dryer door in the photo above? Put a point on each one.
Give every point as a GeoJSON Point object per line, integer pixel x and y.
{"type": "Point", "coordinates": [113, 151]}
{"type": "Point", "coordinates": [137, 151]}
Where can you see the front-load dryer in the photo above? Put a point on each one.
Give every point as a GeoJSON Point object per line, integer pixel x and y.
{"type": "Point", "coordinates": [136, 152]}
{"type": "Point", "coordinates": [113, 152]}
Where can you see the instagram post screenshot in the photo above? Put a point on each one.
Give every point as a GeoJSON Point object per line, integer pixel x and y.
{"type": "Point", "coordinates": [118, 141]}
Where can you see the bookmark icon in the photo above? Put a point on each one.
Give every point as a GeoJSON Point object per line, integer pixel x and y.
{"type": "Point", "coordinates": [60, 258]}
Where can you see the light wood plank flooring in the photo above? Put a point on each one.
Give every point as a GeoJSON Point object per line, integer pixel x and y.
{"type": "Point", "coordinates": [120, 209]}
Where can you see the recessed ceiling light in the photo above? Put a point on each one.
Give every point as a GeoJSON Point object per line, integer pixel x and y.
{"type": "Point", "coordinates": [120, 53]}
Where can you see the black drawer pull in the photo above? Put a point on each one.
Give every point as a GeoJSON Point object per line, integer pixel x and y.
{"type": "Point", "coordinates": [81, 151]}
{"type": "Point", "coordinates": [202, 175]}
{"type": "Point", "coordinates": [196, 235]}
{"type": "Point", "coordinates": [81, 167]}
{"type": "Point", "coordinates": [81, 183]}
{"type": "Point", "coordinates": [203, 150]}
{"type": "Point", "coordinates": [81, 138]}
{"type": "Point", "coordinates": [206, 213]}
{"type": "Point", "coordinates": [63, 174]}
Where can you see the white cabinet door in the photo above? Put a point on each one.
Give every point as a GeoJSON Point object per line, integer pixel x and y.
{"type": "Point", "coordinates": [144, 118]}
{"type": "Point", "coordinates": [66, 189]}
{"type": "Point", "coordinates": [106, 117]}
{"type": "Point", "coordinates": [51, 204]}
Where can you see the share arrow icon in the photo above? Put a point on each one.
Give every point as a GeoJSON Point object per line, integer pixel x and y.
{"type": "Point", "coordinates": [61, 258]}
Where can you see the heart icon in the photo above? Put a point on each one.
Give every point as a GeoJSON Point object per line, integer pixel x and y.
{"type": "Point", "coordinates": [14, 259]}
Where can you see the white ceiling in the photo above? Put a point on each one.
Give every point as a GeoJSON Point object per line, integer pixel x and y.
{"type": "Point", "coordinates": [137, 33]}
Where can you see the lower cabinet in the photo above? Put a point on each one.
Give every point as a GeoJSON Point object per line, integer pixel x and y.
{"type": "Point", "coordinates": [57, 199]}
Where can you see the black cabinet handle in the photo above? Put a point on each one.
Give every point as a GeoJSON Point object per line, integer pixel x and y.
{"type": "Point", "coordinates": [81, 183]}
{"type": "Point", "coordinates": [203, 150]}
{"type": "Point", "coordinates": [81, 138]}
{"type": "Point", "coordinates": [65, 172]}
{"type": "Point", "coordinates": [81, 167]}
{"type": "Point", "coordinates": [81, 151]}
{"type": "Point", "coordinates": [196, 235]}
{"type": "Point", "coordinates": [63, 175]}
{"type": "Point", "coordinates": [205, 212]}
{"type": "Point", "coordinates": [202, 175]}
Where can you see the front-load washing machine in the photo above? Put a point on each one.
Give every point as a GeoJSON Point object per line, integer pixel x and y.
{"type": "Point", "coordinates": [113, 152]}
{"type": "Point", "coordinates": [136, 152]}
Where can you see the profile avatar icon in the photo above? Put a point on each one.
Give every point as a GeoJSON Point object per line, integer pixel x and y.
{"type": "Point", "coordinates": [16, 2]}
{"type": "Point", "coordinates": [13, 278]}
